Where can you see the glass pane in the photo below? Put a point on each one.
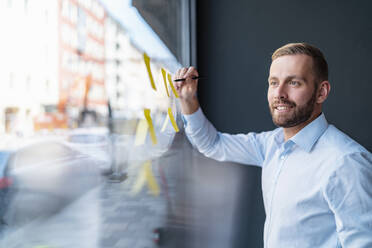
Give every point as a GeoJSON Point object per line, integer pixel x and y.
{"type": "Point", "coordinates": [89, 120]}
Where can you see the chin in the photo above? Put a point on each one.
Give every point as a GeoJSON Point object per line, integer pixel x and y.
{"type": "Point", "coordinates": [281, 120]}
{"type": "Point", "coordinates": [290, 121]}
{"type": "Point", "coordinates": [284, 124]}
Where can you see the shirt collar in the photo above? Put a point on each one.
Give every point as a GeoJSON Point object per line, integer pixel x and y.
{"type": "Point", "coordinates": [308, 135]}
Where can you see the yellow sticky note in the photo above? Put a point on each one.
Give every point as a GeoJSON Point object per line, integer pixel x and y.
{"type": "Point", "coordinates": [147, 62]}
{"type": "Point", "coordinates": [141, 132]}
{"type": "Point", "coordinates": [151, 127]}
{"type": "Point", "coordinates": [164, 73]}
{"type": "Point", "coordinates": [171, 117]}
{"type": "Point", "coordinates": [172, 86]}
{"type": "Point", "coordinates": [141, 180]}
{"type": "Point", "coordinates": [165, 123]}
{"type": "Point", "coordinates": [151, 181]}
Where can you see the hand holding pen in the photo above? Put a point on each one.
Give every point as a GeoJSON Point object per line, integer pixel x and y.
{"type": "Point", "coordinates": [184, 79]}
{"type": "Point", "coordinates": [186, 84]}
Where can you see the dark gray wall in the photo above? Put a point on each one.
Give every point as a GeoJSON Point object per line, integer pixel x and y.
{"type": "Point", "coordinates": [235, 43]}
{"type": "Point", "coordinates": [235, 40]}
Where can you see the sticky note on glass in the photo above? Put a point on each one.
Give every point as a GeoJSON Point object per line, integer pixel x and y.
{"type": "Point", "coordinates": [146, 176]}
{"type": "Point", "coordinates": [141, 132]}
{"type": "Point", "coordinates": [141, 180]}
{"type": "Point", "coordinates": [165, 124]}
{"type": "Point", "coordinates": [147, 63]}
{"type": "Point", "coordinates": [171, 85]}
{"type": "Point", "coordinates": [151, 126]}
{"type": "Point", "coordinates": [173, 121]}
{"type": "Point", "coordinates": [164, 73]}
{"type": "Point", "coordinates": [151, 181]}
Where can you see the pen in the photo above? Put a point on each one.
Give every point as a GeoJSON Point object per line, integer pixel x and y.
{"type": "Point", "coordinates": [184, 79]}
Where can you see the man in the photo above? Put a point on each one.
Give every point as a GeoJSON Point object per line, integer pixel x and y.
{"type": "Point", "coordinates": [316, 181]}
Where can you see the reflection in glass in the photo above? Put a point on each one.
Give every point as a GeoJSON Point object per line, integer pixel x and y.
{"type": "Point", "coordinates": [73, 90]}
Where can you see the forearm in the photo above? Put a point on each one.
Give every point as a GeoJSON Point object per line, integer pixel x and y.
{"type": "Point", "coordinates": [202, 134]}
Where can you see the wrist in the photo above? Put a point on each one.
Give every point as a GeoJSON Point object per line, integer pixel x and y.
{"type": "Point", "coordinates": [189, 106]}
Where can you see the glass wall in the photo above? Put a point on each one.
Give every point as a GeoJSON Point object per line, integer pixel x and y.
{"type": "Point", "coordinates": [92, 146]}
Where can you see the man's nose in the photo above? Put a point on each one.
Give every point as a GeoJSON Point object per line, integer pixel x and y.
{"type": "Point", "coordinates": [281, 91]}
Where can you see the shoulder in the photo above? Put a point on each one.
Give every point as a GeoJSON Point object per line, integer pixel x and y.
{"type": "Point", "coordinates": [350, 178]}
{"type": "Point", "coordinates": [347, 159]}
{"type": "Point", "coordinates": [341, 155]}
{"type": "Point", "coordinates": [339, 145]}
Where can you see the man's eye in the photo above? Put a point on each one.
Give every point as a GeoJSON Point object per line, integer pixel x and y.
{"type": "Point", "coordinates": [294, 83]}
{"type": "Point", "coordinates": [273, 83]}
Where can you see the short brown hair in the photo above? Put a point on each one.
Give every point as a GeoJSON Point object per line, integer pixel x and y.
{"type": "Point", "coordinates": [320, 65]}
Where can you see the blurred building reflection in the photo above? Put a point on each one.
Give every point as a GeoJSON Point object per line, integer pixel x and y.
{"type": "Point", "coordinates": [81, 60]}
{"type": "Point", "coordinates": [125, 76]}
{"type": "Point", "coordinates": [29, 62]}
{"type": "Point", "coordinates": [67, 64]}
{"type": "Point", "coordinates": [63, 61]}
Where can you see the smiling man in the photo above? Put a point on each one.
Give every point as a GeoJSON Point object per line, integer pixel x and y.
{"type": "Point", "coordinates": [316, 181]}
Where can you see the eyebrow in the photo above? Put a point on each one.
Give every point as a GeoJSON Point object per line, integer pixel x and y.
{"type": "Point", "coordinates": [288, 78]}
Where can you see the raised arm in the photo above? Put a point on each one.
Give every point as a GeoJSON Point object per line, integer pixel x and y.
{"type": "Point", "coordinates": [241, 148]}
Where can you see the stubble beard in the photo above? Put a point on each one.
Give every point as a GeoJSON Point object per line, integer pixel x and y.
{"type": "Point", "coordinates": [300, 114]}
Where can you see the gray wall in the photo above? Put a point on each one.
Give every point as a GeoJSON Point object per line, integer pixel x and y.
{"type": "Point", "coordinates": [235, 43]}
{"type": "Point", "coordinates": [235, 40]}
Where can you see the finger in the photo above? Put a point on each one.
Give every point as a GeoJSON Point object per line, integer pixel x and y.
{"type": "Point", "coordinates": [191, 72]}
{"type": "Point", "coordinates": [177, 75]}
{"type": "Point", "coordinates": [183, 72]}
{"type": "Point", "coordinates": [177, 84]}
{"type": "Point", "coordinates": [179, 72]}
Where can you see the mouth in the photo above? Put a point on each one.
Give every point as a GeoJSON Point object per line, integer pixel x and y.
{"type": "Point", "coordinates": [283, 108]}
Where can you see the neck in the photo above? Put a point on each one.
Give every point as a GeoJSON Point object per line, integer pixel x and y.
{"type": "Point", "coordinates": [289, 132]}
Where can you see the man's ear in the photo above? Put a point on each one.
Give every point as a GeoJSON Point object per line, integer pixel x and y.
{"type": "Point", "coordinates": [323, 91]}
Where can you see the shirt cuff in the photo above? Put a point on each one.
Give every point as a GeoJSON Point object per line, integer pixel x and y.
{"type": "Point", "coordinates": [194, 121]}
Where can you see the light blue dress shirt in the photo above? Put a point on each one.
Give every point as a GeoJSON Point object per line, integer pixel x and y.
{"type": "Point", "coordinates": [317, 186]}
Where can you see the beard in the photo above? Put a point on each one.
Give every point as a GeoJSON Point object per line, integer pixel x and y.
{"type": "Point", "coordinates": [296, 117]}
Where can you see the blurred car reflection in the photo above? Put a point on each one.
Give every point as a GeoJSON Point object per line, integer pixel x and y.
{"type": "Point", "coordinates": [45, 177]}
{"type": "Point", "coordinates": [4, 183]}
{"type": "Point", "coordinates": [93, 142]}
